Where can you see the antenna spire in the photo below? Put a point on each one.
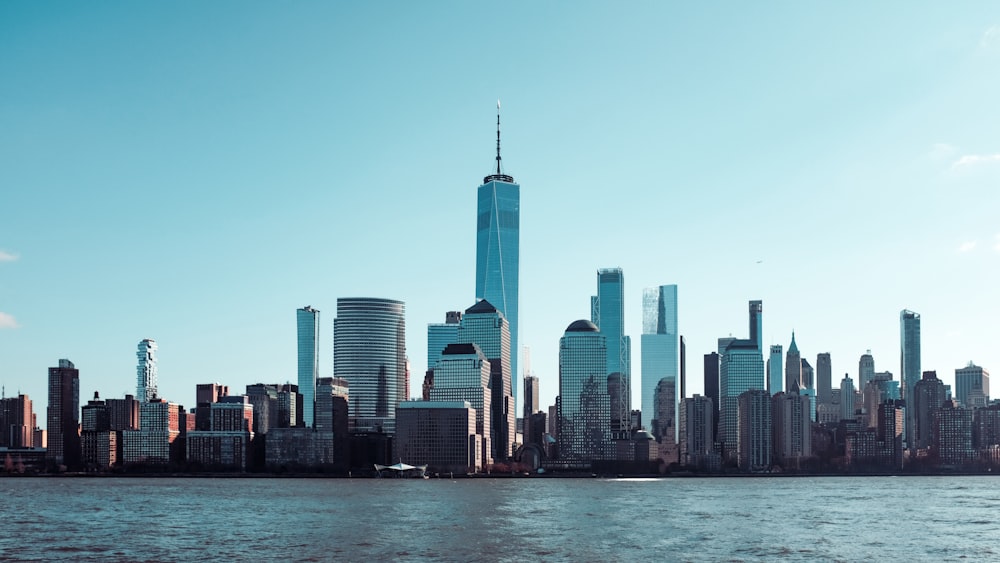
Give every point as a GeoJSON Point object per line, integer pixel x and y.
{"type": "Point", "coordinates": [498, 136]}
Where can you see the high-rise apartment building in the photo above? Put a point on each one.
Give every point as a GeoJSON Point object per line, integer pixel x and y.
{"type": "Point", "coordinates": [584, 407]}
{"type": "Point", "coordinates": [64, 415]}
{"type": "Point", "coordinates": [775, 375]}
{"type": "Point", "coordinates": [17, 422]}
{"type": "Point", "coordinates": [846, 398]}
{"type": "Point", "coordinates": [153, 441]}
{"type": "Point", "coordinates": [498, 228]}
{"type": "Point", "coordinates": [486, 327]}
{"type": "Point", "coordinates": [792, 432]}
{"type": "Point", "coordinates": [757, 324]}
{"type": "Point", "coordinates": [608, 312]}
{"type": "Point", "coordinates": [146, 371]}
{"type": "Point", "coordinates": [824, 378]}
{"type": "Point", "coordinates": [369, 351]}
{"type": "Point", "coordinates": [754, 446]}
{"type": "Point", "coordinates": [909, 344]}
{"type": "Point", "coordinates": [659, 351]}
{"type": "Point", "coordinates": [697, 428]}
{"type": "Point", "coordinates": [866, 369]}
{"type": "Point", "coordinates": [711, 386]}
{"type": "Point", "coordinates": [928, 397]}
{"type": "Point", "coordinates": [307, 325]}
{"type": "Point", "coordinates": [972, 386]}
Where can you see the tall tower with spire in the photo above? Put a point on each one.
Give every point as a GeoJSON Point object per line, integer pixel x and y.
{"type": "Point", "coordinates": [498, 234]}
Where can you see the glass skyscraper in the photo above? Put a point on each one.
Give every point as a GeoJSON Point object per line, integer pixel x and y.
{"type": "Point", "coordinates": [440, 335]}
{"type": "Point", "coordinates": [145, 388]}
{"type": "Point", "coordinates": [307, 322]}
{"type": "Point", "coordinates": [584, 407]}
{"type": "Point", "coordinates": [485, 326]}
{"type": "Point", "coordinates": [369, 351]}
{"type": "Point", "coordinates": [608, 313]}
{"type": "Point", "coordinates": [909, 343]}
{"type": "Point", "coordinates": [659, 342]}
{"type": "Point", "coordinates": [498, 234]}
{"type": "Point", "coordinates": [742, 370]}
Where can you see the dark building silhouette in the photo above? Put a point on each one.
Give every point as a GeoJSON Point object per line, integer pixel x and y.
{"type": "Point", "coordinates": [64, 415]}
{"type": "Point", "coordinates": [712, 389]}
{"type": "Point", "coordinates": [928, 396]}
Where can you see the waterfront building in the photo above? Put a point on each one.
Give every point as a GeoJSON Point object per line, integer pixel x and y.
{"type": "Point", "coordinates": [329, 391]}
{"type": "Point", "coordinates": [298, 448]}
{"type": "Point", "coordinates": [754, 446]}
{"type": "Point", "coordinates": [584, 407]}
{"type": "Point", "coordinates": [970, 380]}
{"type": "Point", "coordinates": [792, 428]}
{"type": "Point", "coordinates": [697, 440]}
{"type": "Point", "coordinates": [63, 416]}
{"type": "Point", "coordinates": [847, 398]}
{"type": "Point", "coordinates": [986, 428]}
{"type": "Point", "coordinates": [442, 435]}
{"type": "Point", "coordinates": [146, 379]}
{"type": "Point", "coordinates": [485, 326]}
{"type": "Point", "coordinates": [369, 351]}
{"type": "Point", "coordinates": [793, 366]}
{"type": "Point", "coordinates": [775, 375]}
{"type": "Point", "coordinates": [608, 313]}
{"type": "Point", "coordinates": [307, 330]}
{"type": "Point", "coordinates": [153, 441]}
{"type": "Point", "coordinates": [98, 443]}
{"type": "Point", "coordinates": [464, 373]}
{"type": "Point", "coordinates": [866, 369]}
{"type": "Point", "coordinates": [952, 434]}
{"type": "Point", "coordinates": [928, 397]}
{"type": "Point", "coordinates": [123, 414]}
{"type": "Point", "coordinates": [711, 387]}
{"type": "Point", "coordinates": [742, 370]}
{"type": "Point", "coordinates": [498, 246]}
{"type": "Point", "coordinates": [909, 343]}
{"type": "Point", "coordinates": [17, 422]}
{"type": "Point", "coordinates": [226, 443]}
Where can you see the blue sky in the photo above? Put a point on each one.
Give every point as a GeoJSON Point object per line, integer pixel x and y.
{"type": "Point", "coordinates": [194, 172]}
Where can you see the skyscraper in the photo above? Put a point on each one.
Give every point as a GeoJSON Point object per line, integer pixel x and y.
{"type": "Point", "coordinates": [824, 378]}
{"type": "Point", "coordinates": [307, 323]}
{"type": "Point", "coordinates": [659, 341]}
{"type": "Point", "coordinates": [498, 228]}
{"type": "Point", "coordinates": [464, 374]}
{"type": "Point", "coordinates": [971, 381]}
{"type": "Point", "coordinates": [486, 327]}
{"type": "Point", "coordinates": [775, 375]}
{"type": "Point", "coordinates": [146, 371]}
{"type": "Point", "coordinates": [866, 368]}
{"type": "Point", "coordinates": [584, 407]}
{"type": "Point", "coordinates": [711, 384]}
{"type": "Point", "coordinates": [909, 363]}
{"type": "Point", "coordinates": [928, 397]}
{"type": "Point", "coordinates": [369, 351]}
{"type": "Point", "coordinates": [742, 370]}
{"type": "Point", "coordinates": [793, 366]}
{"type": "Point", "coordinates": [757, 324]}
{"type": "Point", "coordinates": [440, 335]}
{"type": "Point", "coordinates": [64, 415]}
{"type": "Point", "coordinates": [608, 310]}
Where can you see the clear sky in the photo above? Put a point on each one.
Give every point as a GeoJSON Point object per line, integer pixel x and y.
{"type": "Point", "coordinates": [193, 172]}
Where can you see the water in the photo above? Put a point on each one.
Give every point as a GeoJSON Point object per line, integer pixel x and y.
{"type": "Point", "coordinates": [761, 519]}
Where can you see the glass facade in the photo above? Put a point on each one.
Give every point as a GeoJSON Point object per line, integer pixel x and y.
{"type": "Point", "coordinates": [307, 323]}
{"type": "Point", "coordinates": [608, 313]}
{"type": "Point", "coordinates": [775, 375]}
{"type": "Point", "coordinates": [498, 250]}
{"type": "Point", "coordinates": [463, 374]}
{"type": "Point", "coordinates": [584, 407]}
{"type": "Point", "coordinates": [742, 369]}
{"type": "Point", "coordinates": [440, 336]}
{"type": "Point", "coordinates": [369, 351]}
{"type": "Point", "coordinates": [659, 341]}
{"type": "Point", "coordinates": [146, 371]}
{"type": "Point", "coordinates": [909, 344]}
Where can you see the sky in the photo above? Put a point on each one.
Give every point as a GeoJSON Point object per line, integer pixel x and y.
{"type": "Point", "coordinates": [195, 172]}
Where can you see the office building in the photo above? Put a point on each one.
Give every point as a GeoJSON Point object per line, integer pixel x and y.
{"type": "Point", "coordinates": [530, 403]}
{"type": "Point", "coordinates": [64, 415]}
{"type": "Point", "coordinates": [973, 381]}
{"type": "Point", "coordinates": [659, 352]}
{"type": "Point", "coordinates": [909, 342]}
{"type": "Point", "coordinates": [608, 313]}
{"type": "Point", "coordinates": [866, 369]}
{"type": "Point", "coordinates": [928, 397]}
{"type": "Point", "coordinates": [498, 247]}
{"type": "Point", "coordinates": [793, 367]}
{"type": "Point", "coordinates": [369, 351]}
{"type": "Point", "coordinates": [464, 373]}
{"type": "Point", "coordinates": [742, 370]}
{"type": "Point", "coordinates": [711, 387]}
{"type": "Point", "coordinates": [307, 327]}
{"type": "Point", "coordinates": [440, 335]}
{"type": "Point", "coordinates": [824, 378]}
{"type": "Point", "coordinates": [775, 375]}
{"type": "Point", "coordinates": [146, 371]}
{"type": "Point", "coordinates": [846, 398]}
{"type": "Point", "coordinates": [757, 324]}
{"type": "Point", "coordinates": [442, 435]}
{"type": "Point", "coordinates": [584, 407]}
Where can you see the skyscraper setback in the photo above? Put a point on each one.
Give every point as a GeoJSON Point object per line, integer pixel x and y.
{"type": "Point", "coordinates": [498, 247]}
{"type": "Point", "coordinates": [307, 325]}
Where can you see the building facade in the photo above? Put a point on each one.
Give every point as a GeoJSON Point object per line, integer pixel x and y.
{"type": "Point", "coordinates": [909, 343]}
{"type": "Point", "coordinates": [742, 370]}
{"type": "Point", "coordinates": [439, 434]}
{"type": "Point", "coordinates": [307, 331]}
{"type": "Point", "coordinates": [608, 313]}
{"type": "Point", "coordinates": [63, 416]}
{"type": "Point", "coordinates": [584, 407]}
{"type": "Point", "coordinates": [659, 350]}
{"type": "Point", "coordinates": [970, 380]}
{"type": "Point", "coordinates": [146, 379]}
{"type": "Point", "coordinates": [754, 446]}
{"type": "Point", "coordinates": [464, 374]}
{"type": "Point", "coordinates": [775, 373]}
{"type": "Point", "coordinates": [369, 351]}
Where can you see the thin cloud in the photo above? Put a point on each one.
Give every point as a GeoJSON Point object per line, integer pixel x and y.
{"type": "Point", "coordinates": [990, 37]}
{"type": "Point", "coordinates": [942, 151]}
{"type": "Point", "coordinates": [967, 246]}
{"type": "Point", "coordinates": [976, 159]}
{"type": "Point", "coordinates": [8, 321]}
{"type": "Point", "coordinates": [7, 256]}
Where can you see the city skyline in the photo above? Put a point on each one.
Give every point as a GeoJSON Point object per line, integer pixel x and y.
{"type": "Point", "coordinates": [884, 144]}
